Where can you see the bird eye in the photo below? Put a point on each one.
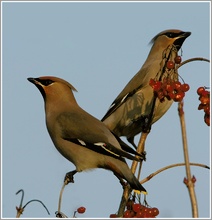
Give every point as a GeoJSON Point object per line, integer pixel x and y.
{"type": "Point", "coordinates": [46, 82]}
{"type": "Point", "coordinates": [169, 34]}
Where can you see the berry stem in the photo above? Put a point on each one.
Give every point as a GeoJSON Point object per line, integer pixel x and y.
{"type": "Point", "coordinates": [169, 167]}
{"type": "Point", "coordinates": [192, 59]}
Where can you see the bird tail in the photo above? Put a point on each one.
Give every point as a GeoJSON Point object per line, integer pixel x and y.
{"type": "Point", "coordinates": [134, 183]}
{"type": "Point", "coordinates": [122, 171]}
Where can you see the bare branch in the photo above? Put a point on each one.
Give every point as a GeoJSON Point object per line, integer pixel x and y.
{"type": "Point", "coordinates": [22, 197]}
{"type": "Point", "coordinates": [36, 200]}
{"type": "Point", "coordinates": [193, 59]}
{"type": "Point", "coordinates": [171, 166]}
{"type": "Point", "coordinates": [20, 209]}
{"type": "Point", "coordinates": [190, 184]}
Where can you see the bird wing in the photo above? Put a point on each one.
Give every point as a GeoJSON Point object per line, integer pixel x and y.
{"type": "Point", "coordinates": [135, 84]}
{"type": "Point", "coordinates": [83, 129]}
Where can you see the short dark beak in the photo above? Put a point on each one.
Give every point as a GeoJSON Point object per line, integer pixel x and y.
{"type": "Point", "coordinates": [179, 41]}
{"type": "Point", "coordinates": [185, 34]}
{"type": "Point", "coordinates": [32, 80]}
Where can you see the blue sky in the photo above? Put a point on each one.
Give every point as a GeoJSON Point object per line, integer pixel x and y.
{"type": "Point", "coordinates": [97, 47]}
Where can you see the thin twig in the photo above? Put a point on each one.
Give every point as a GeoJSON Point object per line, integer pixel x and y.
{"type": "Point", "coordinates": [171, 166]}
{"type": "Point", "coordinates": [190, 184]}
{"type": "Point", "coordinates": [60, 197]}
{"type": "Point", "coordinates": [22, 197]}
{"type": "Point", "coordinates": [36, 200]}
{"type": "Point", "coordinates": [20, 209]}
{"type": "Point", "coordinates": [193, 59]}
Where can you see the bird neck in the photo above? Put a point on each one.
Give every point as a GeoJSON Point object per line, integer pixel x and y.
{"type": "Point", "coordinates": [60, 103]}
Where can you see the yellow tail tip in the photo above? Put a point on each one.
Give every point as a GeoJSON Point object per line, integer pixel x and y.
{"type": "Point", "coordinates": [139, 192]}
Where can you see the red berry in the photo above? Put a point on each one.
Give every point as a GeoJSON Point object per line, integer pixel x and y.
{"type": "Point", "coordinates": [160, 94]}
{"type": "Point", "coordinates": [207, 119]}
{"type": "Point", "coordinates": [169, 87]}
{"type": "Point", "coordinates": [185, 87]}
{"type": "Point", "coordinates": [145, 209]}
{"type": "Point", "coordinates": [204, 100]}
{"type": "Point", "coordinates": [207, 109]}
{"type": "Point", "coordinates": [201, 106]}
{"type": "Point", "coordinates": [170, 95]}
{"type": "Point", "coordinates": [205, 93]}
{"type": "Point", "coordinates": [177, 85]}
{"type": "Point", "coordinates": [165, 92]}
{"type": "Point", "coordinates": [81, 210]}
{"type": "Point", "coordinates": [146, 215]}
{"type": "Point", "coordinates": [113, 216]}
{"type": "Point", "coordinates": [157, 85]}
{"type": "Point", "coordinates": [155, 211]}
{"type": "Point", "coordinates": [139, 214]}
{"type": "Point", "coordinates": [128, 214]}
{"type": "Point", "coordinates": [177, 59]}
{"type": "Point", "coordinates": [200, 90]}
{"type": "Point", "coordinates": [179, 96]}
{"type": "Point", "coordinates": [151, 82]}
{"type": "Point", "coordinates": [136, 207]}
{"type": "Point", "coordinates": [150, 212]}
{"type": "Point", "coordinates": [170, 64]}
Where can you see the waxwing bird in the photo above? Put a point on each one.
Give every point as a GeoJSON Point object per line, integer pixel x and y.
{"type": "Point", "coordinates": [135, 109]}
{"type": "Point", "coordinates": [80, 137]}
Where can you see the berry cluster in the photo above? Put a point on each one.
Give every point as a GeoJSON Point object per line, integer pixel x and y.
{"type": "Point", "coordinates": [204, 97]}
{"type": "Point", "coordinates": [136, 210]}
{"type": "Point", "coordinates": [169, 89]}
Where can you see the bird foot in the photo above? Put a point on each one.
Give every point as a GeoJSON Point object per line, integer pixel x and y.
{"type": "Point", "coordinates": [143, 155]}
{"type": "Point", "coordinates": [69, 177]}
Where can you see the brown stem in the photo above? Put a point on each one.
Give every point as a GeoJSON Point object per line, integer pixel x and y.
{"type": "Point", "coordinates": [127, 189]}
{"type": "Point", "coordinates": [19, 212]}
{"type": "Point", "coordinates": [20, 209]}
{"type": "Point", "coordinates": [190, 184]}
{"type": "Point", "coordinates": [171, 166]}
{"type": "Point", "coordinates": [140, 149]}
{"type": "Point", "coordinates": [192, 59]}
{"type": "Point", "coordinates": [60, 197]}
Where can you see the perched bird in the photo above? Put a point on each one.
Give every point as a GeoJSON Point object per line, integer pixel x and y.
{"type": "Point", "coordinates": [135, 109]}
{"type": "Point", "coordinates": [80, 137]}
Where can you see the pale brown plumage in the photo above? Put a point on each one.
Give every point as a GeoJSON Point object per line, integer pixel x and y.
{"type": "Point", "coordinates": [80, 137]}
{"type": "Point", "coordinates": [132, 111]}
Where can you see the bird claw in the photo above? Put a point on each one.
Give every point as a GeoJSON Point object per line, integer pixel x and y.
{"type": "Point", "coordinates": [143, 155]}
{"type": "Point", "coordinates": [69, 177]}
{"type": "Point", "coordinates": [60, 215]}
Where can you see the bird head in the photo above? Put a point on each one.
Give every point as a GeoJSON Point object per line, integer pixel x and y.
{"type": "Point", "coordinates": [168, 37]}
{"type": "Point", "coordinates": [52, 87]}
